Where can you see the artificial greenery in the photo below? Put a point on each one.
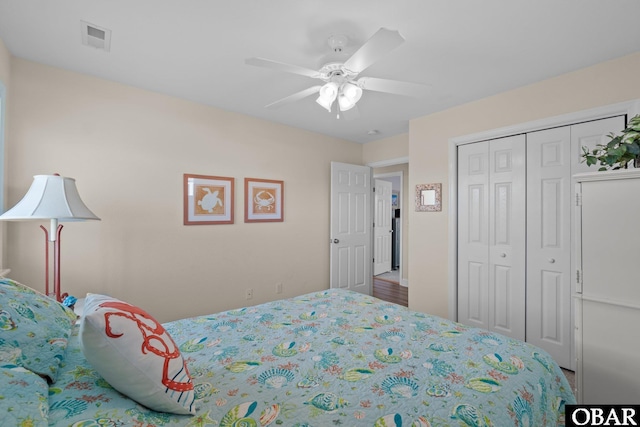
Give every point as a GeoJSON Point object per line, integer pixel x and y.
{"type": "Point", "coordinates": [619, 152]}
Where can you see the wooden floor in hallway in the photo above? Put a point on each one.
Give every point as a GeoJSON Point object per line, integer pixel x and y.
{"type": "Point", "coordinates": [390, 291]}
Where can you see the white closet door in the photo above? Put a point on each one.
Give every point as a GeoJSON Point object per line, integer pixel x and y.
{"type": "Point", "coordinates": [548, 243]}
{"type": "Point", "coordinates": [473, 234]}
{"type": "Point", "coordinates": [507, 236]}
{"type": "Point", "coordinates": [553, 156]}
{"type": "Point", "coordinates": [491, 235]}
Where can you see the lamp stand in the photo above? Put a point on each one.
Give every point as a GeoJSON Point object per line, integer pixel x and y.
{"type": "Point", "coordinates": [51, 237]}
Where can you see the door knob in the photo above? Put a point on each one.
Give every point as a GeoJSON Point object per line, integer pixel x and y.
{"type": "Point", "coordinates": [551, 260]}
{"type": "Point", "coordinates": [503, 255]}
{"type": "Point", "coordinates": [336, 241]}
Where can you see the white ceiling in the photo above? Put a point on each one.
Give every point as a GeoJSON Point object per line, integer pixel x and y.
{"type": "Point", "coordinates": [195, 49]}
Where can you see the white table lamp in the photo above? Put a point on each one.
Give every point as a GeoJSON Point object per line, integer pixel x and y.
{"type": "Point", "coordinates": [54, 198]}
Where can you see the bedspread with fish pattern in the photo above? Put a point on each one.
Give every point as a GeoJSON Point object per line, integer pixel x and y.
{"type": "Point", "coordinates": [333, 358]}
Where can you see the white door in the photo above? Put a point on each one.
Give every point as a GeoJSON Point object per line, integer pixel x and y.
{"type": "Point", "coordinates": [549, 320]}
{"type": "Point", "coordinates": [491, 235]}
{"type": "Point", "coordinates": [350, 259]}
{"type": "Point", "coordinates": [382, 227]}
{"type": "Point", "coordinates": [507, 236]}
{"type": "Point", "coordinates": [473, 234]}
{"type": "Point", "coordinates": [553, 157]}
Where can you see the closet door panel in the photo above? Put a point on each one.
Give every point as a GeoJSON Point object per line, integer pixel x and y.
{"type": "Point", "coordinates": [507, 236]}
{"type": "Point", "coordinates": [473, 225]}
{"type": "Point", "coordinates": [548, 242]}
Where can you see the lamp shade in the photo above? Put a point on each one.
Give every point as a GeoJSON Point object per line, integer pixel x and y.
{"type": "Point", "coordinates": [50, 197]}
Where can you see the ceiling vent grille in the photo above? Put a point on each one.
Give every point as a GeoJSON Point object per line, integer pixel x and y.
{"type": "Point", "coordinates": [94, 36]}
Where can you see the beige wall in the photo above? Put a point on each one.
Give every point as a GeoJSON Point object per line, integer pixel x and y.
{"type": "Point", "coordinates": [128, 150]}
{"type": "Point", "coordinates": [5, 79]}
{"type": "Point", "coordinates": [5, 64]}
{"type": "Point", "coordinates": [382, 150]}
{"type": "Point", "coordinates": [603, 84]}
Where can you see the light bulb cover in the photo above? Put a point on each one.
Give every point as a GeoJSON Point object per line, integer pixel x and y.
{"type": "Point", "coordinates": [328, 94]}
{"type": "Point", "coordinates": [350, 94]}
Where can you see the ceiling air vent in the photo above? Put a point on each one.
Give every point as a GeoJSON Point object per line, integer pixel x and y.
{"type": "Point", "coordinates": [95, 36]}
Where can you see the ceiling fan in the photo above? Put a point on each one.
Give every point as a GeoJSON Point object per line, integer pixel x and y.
{"type": "Point", "coordinates": [341, 80]}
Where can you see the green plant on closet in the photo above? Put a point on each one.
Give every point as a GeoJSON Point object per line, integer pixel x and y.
{"type": "Point", "coordinates": [619, 152]}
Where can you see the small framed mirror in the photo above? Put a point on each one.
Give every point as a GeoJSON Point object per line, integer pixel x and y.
{"type": "Point", "coordinates": [429, 197]}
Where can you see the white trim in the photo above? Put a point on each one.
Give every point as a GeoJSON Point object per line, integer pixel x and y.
{"type": "Point", "coordinates": [402, 217]}
{"type": "Point", "coordinates": [390, 162]}
{"type": "Point", "coordinates": [3, 130]}
{"type": "Point", "coordinates": [607, 175]}
{"type": "Point", "coordinates": [630, 108]}
{"type": "Point", "coordinates": [3, 113]}
{"type": "Point", "coordinates": [607, 301]}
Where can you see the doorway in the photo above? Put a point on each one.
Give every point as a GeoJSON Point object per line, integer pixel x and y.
{"type": "Point", "coordinates": [396, 175]}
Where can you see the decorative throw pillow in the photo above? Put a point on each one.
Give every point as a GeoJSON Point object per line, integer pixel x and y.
{"type": "Point", "coordinates": [34, 329]}
{"type": "Point", "coordinates": [136, 355]}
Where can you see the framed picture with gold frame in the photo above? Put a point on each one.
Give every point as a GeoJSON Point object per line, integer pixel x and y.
{"type": "Point", "coordinates": [263, 200]}
{"type": "Point", "coordinates": [429, 197]}
{"type": "Point", "coordinates": [208, 200]}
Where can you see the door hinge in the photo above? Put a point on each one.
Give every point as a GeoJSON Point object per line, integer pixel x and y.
{"type": "Point", "coordinates": [578, 199]}
{"type": "Point", "coordinates": [579, 281]}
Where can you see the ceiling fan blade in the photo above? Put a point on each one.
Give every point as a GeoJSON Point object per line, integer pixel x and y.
{"type": "Point", "coordinates": [295, 97]}
{"type": "Point", "coordinates": [381, 43]}
{"type": "Point", "coordinates": [281, 66]}
{"type": "Point", "coordinates": [395, 87]}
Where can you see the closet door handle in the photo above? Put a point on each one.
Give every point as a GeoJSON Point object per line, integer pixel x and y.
{"type": "Point", "coordinates": [552, 260]}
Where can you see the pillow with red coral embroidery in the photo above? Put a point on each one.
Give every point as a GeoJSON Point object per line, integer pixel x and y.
{"type": "Point", "coordinates": [136, 355]}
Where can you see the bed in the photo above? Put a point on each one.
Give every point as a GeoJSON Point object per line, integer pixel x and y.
{"type": "Point", "coordinates": [328, 358]}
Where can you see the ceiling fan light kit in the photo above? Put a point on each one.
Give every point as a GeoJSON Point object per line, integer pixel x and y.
{"type": "Point", "coordinates": [350, 94]}
{"type": "Point", "coordinates": [328, 94]}
{"type": "Point", "coordinates": [340, 78]}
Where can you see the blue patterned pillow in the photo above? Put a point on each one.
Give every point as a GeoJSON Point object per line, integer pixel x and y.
{"type": "Point", "coordinates": [34, 329]}
{"type": "Point", "coordinates": [23, 397]}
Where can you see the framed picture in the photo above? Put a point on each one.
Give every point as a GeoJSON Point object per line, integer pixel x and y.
{"type": "Point", "coordinates": [263, 200]}
{"type": "Point", "coordinates": [429, 197]}
{"type": "Point", "coordinates": [208, 200]}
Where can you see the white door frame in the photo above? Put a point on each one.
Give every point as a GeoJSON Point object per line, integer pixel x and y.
{"type": "Point", "coordinates": [403, 215]}
{"type": "Point", "coordinates": [630, 108]}
{"type": "Point", "coordinates": [382, 227]}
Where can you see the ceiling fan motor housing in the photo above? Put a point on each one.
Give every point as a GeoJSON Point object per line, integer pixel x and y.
{"type": "Point", "coordinates": [335, 72]}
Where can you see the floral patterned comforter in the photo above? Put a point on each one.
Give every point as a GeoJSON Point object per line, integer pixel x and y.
{"type": "Point", "coordinates": [333, 358]}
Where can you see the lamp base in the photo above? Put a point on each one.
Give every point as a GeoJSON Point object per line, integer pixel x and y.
{"type": "Point", "coordinates": [55, 239]}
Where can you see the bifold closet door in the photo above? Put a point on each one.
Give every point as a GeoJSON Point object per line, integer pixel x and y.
{"type": "Point", "coordinates": [553, 157]}
{"type": "Point", "coordinates": [491, 235]}
{"type": "Point", "coordinates": [548, 242]}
